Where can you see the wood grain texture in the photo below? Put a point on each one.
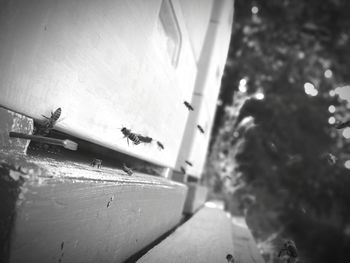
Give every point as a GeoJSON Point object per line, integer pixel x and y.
{"type": "Point", "coordinates": [205, 237]}
{"type": "Point", "coordinates": [68, 212]}
{"type": "Point", "coordinates": [101, 62]}
{"type": "Point", "coordinates": [11, 121]}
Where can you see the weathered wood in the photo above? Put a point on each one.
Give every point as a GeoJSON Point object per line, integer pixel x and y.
{"type": "Point", "coordinates": [11, 121]}
{"type": "Point", "coordinates": [196, 197]}
{"type": "Point", "coordinates": [105, 63]}
{"type": "Point", "coordinates": [72, 212]}
{"type": "Point", "coordinates": [245, 248]}
{"type": "Point", "coordinates": [205, 237]}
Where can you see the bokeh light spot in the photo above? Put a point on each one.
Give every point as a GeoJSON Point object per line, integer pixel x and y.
{"type": "Point", "coordinates": [255, 10]}
{"type": "Point", "coordinates": [347, 164]}
{"type": "Point", "coordinates": [310, 89]}
{"type": "Point", "coordinates": [331, 109]}
{"type": "Point", "coordinates": [242, 85]}
{"type": "Point", "coordinates": [331, 120]}
{"type": "Point", "coordinates": [260, 96]}
{"type": "Point", "coordinates": [346, 133]}
{"type": "Point", "coordinates": [328, 73]}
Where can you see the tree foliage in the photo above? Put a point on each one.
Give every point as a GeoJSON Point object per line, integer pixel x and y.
{"type": "Point", "coordinates": [274, 156]}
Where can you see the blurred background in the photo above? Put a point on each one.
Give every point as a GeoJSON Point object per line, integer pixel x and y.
{"type": "Point", "coordinates": [276, 156]}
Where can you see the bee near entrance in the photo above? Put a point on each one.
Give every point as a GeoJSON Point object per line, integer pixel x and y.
{"type": "Point", "coordinates": [130, 136]}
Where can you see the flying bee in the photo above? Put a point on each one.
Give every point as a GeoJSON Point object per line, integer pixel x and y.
{"type": "Point", "coordinates": [272, 147]}
{"type": "Point", "coordinates": [188, 106]}
{"type": "Point", "coordinates": [230, 258]}
{"type": "Point", "coordinates": [189, 163]}
{"type": "Point", "coordinates": [183, 170]}
{"type": "Point", "coordinates": [49, 123]}
{"type": "Point", "coordinates": [342, 125]}
{"type": "Point", "coordinates": [200, 128]}
{"type": "Point", "coordinates": [128, 170]}
{"type": "Point", "coordinates": [130, 136]}
{"type": "Point", "coordinates": [331, 159]}
{"type": "Point", "coordinates": [289, 249]}
{"type": "Point", "coordinates": [160, 145]}
{"type": "Point", "coordinates": [96, 162]}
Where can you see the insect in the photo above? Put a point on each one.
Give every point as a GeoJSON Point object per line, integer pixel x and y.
{"type": "Point", "coordinates": [49, 123]}
{"type": "Point", "coordinates": [289, 249]}
{"type": "Point", "coordinates": [293, 159]}
{"type": "Point", "coordinates": [230, 258]}
{"type": "Point", "coordinates": [188, 106]}
{"type": "Point", "coordinates": [144, 139]}
{"type": "Point", "coordinates": [160, 145]}
{"type": "Point", "coordinates": [96, 162]}
{"type": "Point", "coordinates": [331, 159]}
{"type": "Point", "coordinates": [110, 201]}
{"type": "Point", "coordinates": [189, 163]}
{"type": "Point", "coordinates": [342, 125]}
{"type": "Point", "coordinates": [183, 170]}
{"type": "Point", "coordinates": [128, 170]}
{"type": "Point", "coordinates": [200, 128]}
{"type": "Point", "coordinates": [130, 136]}
{"type": "Point", "coordinates": [272, 147]}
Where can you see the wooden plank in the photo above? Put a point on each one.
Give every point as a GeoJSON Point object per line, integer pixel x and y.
{"type": "Point", "coordinates": [11, 121]}
{"type": "Point", "coordinates": [205, 237]}
{"type": "Point", "coordinates": [196, 197]}
{"type": "Point", "coordinates": [245, 249]}
{"type": "Point", "coordinates": [103, 64]}
{"type": "Point", "coordinates": [72, 212]}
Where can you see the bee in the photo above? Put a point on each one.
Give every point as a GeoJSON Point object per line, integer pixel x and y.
{"type": "Point", "coordinates": [331, 159]}
{"type": "Point", "coordinates": [189, 163]}
{"type": "Point", "coordinates": [293, 159]}
{"type": "Point", "coordinates": [144, 139]}
{"type": "Point", "coordinates": [49, 123]}
{"type": "Point", "coordinates": [110, 201]}
{"type": "Point", "coordinates": [96, 162]}
{"type": "Point", "coordinates": [342, 125]}
{"type": "Point", "coordinates": [128, 170]}
{"type": "Point", "coordinates": [230, 258]}
{"type": "Point", "coordinates": [160, 145]}
{"type": "Point", "coordinates": [272, 147]}
{"type": "Point", "coordinates": [289, 249]}
{"type": "Point", "coordinates": [188, 106]}
{"type": "Point", "coordinates": [130, 136]}
{"type": "Point", "coordinates": [200, 128]}
{"type": "Point", "coordinates": [54, 116]}
{"type": "Point", "coordinates": [183, 170]}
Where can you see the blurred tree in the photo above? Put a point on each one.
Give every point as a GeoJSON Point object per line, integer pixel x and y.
{"type": "Point", "coordinates": [274, 141]}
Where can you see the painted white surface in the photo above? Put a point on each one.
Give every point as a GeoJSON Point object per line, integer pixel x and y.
{"type": "Point", "coordinates": [210, 70]}
{"type": "Point", "coordinates": [101, 62]}
{"type": "Point", "coordinates": [197, 17]}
